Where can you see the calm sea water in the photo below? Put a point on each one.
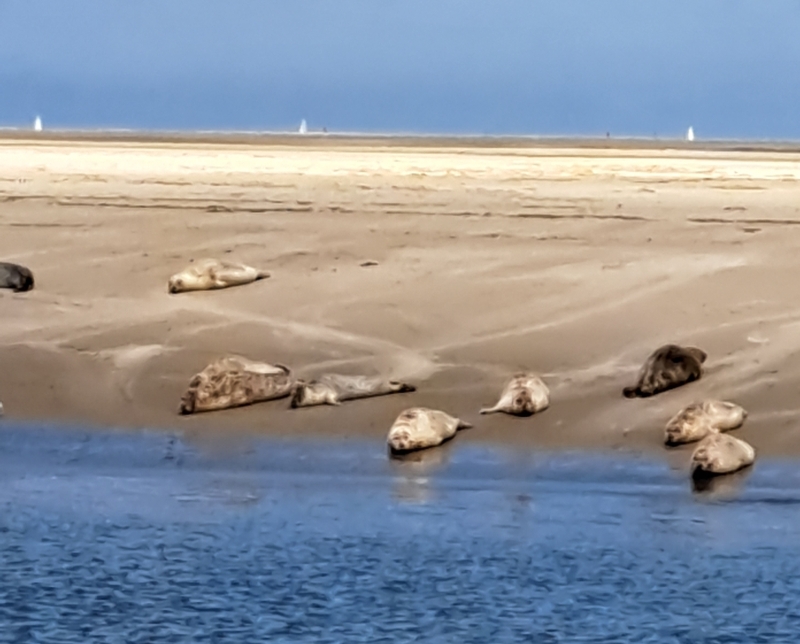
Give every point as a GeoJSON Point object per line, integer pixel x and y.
{"type": "Point", "coordinates": [147, 537]}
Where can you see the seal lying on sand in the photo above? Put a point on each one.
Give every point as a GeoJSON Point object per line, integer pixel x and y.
{"type": "Point", "coordinates": [211, 274]}
{"type": "Point", "coordinates": [668, 367]}
{"type": "Point", "coordinates": [16, 277]}
{"type": "Point", "coordinates": [235, 381]}
{"type": "Point", "coordinates": [525, 394]}
{"type": "Point", "coordinates": [332, 389]}
{"type": "Point", "coordinates": [700, 419]}
{"type": "Point", "coordinates": [418, 428]}
{"type": "Point", "coordinates": [721, 454]}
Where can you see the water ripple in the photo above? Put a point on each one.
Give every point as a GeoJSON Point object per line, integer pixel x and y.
{"type": "Point", "coordinates": [105, 541]}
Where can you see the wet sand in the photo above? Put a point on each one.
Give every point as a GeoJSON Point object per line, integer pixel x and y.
{"type": "Point", "coordinates": [575, 262]}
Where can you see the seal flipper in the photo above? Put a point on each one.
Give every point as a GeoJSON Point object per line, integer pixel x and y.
{"type": "Point", "coordinates": [462, 424]}
{"type": "Point", "coordinates": [188, 402]}
{"type": "Point", "coordinates": [298, 394]}
{"type": "Point", "coordinates": [630, 392]}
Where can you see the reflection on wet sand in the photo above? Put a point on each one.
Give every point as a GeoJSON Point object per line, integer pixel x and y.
{"type": "Point", "coordinates": [412, 483]}
{"type": "Point", "coordinates": [720, 488]}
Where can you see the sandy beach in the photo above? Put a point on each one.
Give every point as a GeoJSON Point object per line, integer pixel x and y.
{"type": "Point", "coordinates": [575, 262]}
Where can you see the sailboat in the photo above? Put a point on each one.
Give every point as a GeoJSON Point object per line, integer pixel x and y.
{"type": "Point", "coordinates": [303, 127]}
{"type": "Point", "coordinates": [690, 134]}
{"type": "Point", "coordinates": [37, 124]}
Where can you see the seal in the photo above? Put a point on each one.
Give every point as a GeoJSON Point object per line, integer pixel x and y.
{"type": "Point", "coordinates": [524, 395]}
{"type": "Point", "coordinates": [234, 381]}
{"type": "Point", "coordinates": [211, 274]}
{"type": "Point", "coordinates": [332, 389]}
{"type": "Point", "coordinates": [16, 277]}
{"type": "Point", "coordinates": [721, 454]}
{"type": "Point", "coordinates": [700, 419]}
{"type": "Point", "coordinates": [420, 428]}
{"type": "Point", "coordinates": [667, 367]}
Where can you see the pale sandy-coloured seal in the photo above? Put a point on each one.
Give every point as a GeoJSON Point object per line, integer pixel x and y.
{"type": "Point", "coordinates": [721, 454]}
{"type": "Point", "coordinates": [234, 381]}
{"type": "Point", "coordinates": [525, 394]}
{"type": "Point", "coordinates": [16, 277]}
{"type": "Point", "coordinates": [211, 274]}
{"type": "Point", "coordinates": [332, 389]}
{"type": "Point", "coordinates": [698, 420]}
{"type": "Point", "coordinates": [419, 428]}
{"type": "Point", "coordinates": [667, 367]}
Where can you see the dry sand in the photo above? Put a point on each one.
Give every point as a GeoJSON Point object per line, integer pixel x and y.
{"type": "Point", "coordinates": [572, 262]}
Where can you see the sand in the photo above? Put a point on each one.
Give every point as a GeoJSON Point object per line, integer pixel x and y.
{"type": "Point", "coordinates": [571, 261]}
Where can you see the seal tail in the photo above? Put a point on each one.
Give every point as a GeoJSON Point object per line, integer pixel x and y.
{"type": "Point", "coordinates": [262, 275]}
{"type": "Point", "coordinates": [462, 424]}
{"type": "Point", "coordinates": [490, 410]}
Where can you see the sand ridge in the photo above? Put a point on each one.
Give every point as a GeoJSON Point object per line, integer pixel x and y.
{"type": "Point", "coordinates": [450, 267]}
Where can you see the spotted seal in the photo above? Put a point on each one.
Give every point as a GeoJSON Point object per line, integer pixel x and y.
{"type": "Point", "coordinates": [420, 428]}
{"type": "Point", "coordinates": [667, 367]}
{"type": "Point", "coordinates": [698, 420]}
{"type": "Point", "coordinates": [16, 277]}
{"type": "Point", "coordinates": [332, 389]}
{"type": "Point", "coordinates": [234, 381]}
{"type": "Point", "coordinates": [524, 395]}
{"type": "Point", "coordinates": [211, 274]}
{"type": "Point", "coordinates": [721, 454]}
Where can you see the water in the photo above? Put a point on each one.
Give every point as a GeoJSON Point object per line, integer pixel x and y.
{"type": "Point", "coordinates": [147, 537]}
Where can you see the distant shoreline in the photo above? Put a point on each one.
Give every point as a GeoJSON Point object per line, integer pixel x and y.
{"type": "Point", "coordinates": [356, 139]}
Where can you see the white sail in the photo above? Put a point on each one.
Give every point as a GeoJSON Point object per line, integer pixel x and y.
{"type": "Point", "coordinates": [303, 127]}
{"type": "Point", "coordinates": [690, 134]}
{"type": "Point", "coordinates": [37, 124]}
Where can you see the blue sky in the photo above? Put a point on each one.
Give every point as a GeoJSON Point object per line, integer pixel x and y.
{"type": "Point", "coordinates": [730, 68]}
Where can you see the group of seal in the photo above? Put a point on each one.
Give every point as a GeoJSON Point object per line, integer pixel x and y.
{"type": "Point", "coordinates": [705, 421]}
{"type": "Point", "coordinates": [420, 428]}
{"type": "Point", "coordinates": [234, 381]}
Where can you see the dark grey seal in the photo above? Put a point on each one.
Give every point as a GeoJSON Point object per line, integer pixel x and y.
{"type": "Point", "coordinates": [15, 277]}
{"type": "Point", "coordinates": [668, 367]}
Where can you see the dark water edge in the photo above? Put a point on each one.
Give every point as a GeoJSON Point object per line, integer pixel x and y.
{"type": "Point", "coordinates": [154, 537]}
